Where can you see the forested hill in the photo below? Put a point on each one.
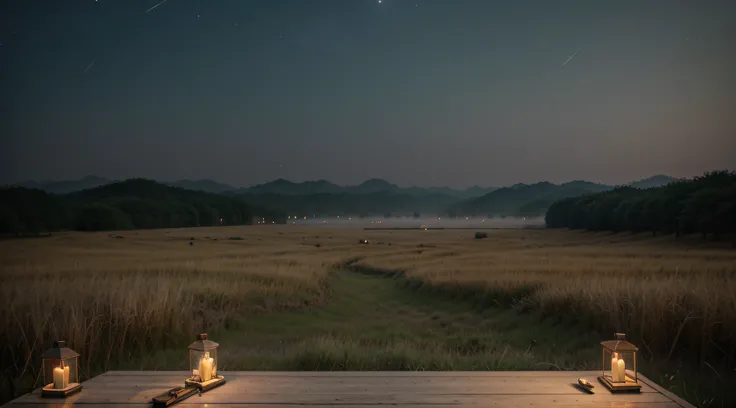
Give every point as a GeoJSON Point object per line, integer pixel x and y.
{"type": "Point", "coordinates": [705, 205]}
{"type": "Point", "coordinates": [523, 199]}
{"type": "Point", "coordinates": [130, 204]}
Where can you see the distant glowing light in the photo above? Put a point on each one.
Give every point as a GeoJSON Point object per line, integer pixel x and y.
{"type": "Point", "coordinates": [305, 217]}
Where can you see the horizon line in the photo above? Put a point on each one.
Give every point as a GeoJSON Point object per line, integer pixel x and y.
{"type": "Point", "coordinates": [111, 180]}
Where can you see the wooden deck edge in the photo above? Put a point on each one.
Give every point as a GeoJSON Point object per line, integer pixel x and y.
{"type": "Point", "coordinates": [371, 373]}
{"type": "Point", "coordinates": [677, 400]}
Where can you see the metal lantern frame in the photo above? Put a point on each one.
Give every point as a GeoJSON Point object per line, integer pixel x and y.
{"type": "Point", "coordinates": [66, 359]}
{"type": "Point", "coordinates": [625, 349]}
{"type": "Point", "coordinates": [197, 351]}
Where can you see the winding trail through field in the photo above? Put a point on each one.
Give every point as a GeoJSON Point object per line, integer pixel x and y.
{"type": "Point", "coordinates": [373, 323]}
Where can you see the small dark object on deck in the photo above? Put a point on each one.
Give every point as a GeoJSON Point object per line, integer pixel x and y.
{"type": "Point", "coordinates": [191, 243]}
{"type": "Point", "coordinates": [481, 235]}
{"type": "Point", "coordinates": [236, 238]}
{"type": "Point", "coordinates": [364, 242]}
{"type": "Point", "coordinates": [173, 396]}
{"type": "Point", "coordinates": [585, 385]}
{"type": "Point", "coordinates": [191, 238]}
{"type": "Point", "coordinates": [317, 245]}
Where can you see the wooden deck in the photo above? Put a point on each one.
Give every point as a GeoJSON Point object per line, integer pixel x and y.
{"type": "Point", "coordinates": [363, 389]}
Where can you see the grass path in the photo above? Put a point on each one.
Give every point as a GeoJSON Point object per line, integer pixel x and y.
{"type": "Point", "coordinates": [371, 323]}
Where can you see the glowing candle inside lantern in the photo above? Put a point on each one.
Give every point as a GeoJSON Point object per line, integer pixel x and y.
{"type": "Point", "coordinates": [205, 367]}
{"type": "Point", "coordinates": [621, 370]}
{"type": "Point", "coordinates": [61, 377]}
{"type": "Point", "coordinates": [614, 367]}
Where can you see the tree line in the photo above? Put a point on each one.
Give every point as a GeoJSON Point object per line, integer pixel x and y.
{"type": "Point", "coordinates": [131, 204]}
{"type": "Point", "coordinates": [344, 204]}
{"type": "Point", "coordinates": [704, 205]}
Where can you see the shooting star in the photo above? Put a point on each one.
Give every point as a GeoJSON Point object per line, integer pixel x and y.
{"type": "Point", "coordinates": [157, 4]}
{"type": "Point", "coordinates": [571, 57]}
{"type": "Point", "coordinates": [90, 66]}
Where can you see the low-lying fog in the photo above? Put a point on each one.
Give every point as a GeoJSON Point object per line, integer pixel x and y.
{"type": "Point", "coordinates": [423, 222]}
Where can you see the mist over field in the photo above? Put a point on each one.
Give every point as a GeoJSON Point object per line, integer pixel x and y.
{"type": "Point", "coordinates": [422, 222]}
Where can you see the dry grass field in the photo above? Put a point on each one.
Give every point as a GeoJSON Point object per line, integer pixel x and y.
{"type": "Point", "coordinates": [669, 295]}
{"type": "Point", "coordinates": [292, 296]}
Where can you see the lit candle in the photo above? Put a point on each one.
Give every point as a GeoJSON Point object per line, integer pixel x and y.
{"type": "Point", "coordinates": [621, 370]}
{"type": "Point", "coordinates": [61, 377]}
{"type": "Point", "coordinates": [205, 367]}
{"type": "Point", "coordinates": [614, 367]}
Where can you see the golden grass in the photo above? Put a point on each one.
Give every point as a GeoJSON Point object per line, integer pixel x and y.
{"type": "Point", "coordinates": [113, 298]}
{"type": "Point", "coordinates": [669, 296]}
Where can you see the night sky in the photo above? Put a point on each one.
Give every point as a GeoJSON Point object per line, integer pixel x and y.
{"type": "Point", "coordinates": [419, 92]}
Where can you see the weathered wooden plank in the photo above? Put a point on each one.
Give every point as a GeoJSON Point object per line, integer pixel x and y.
{"type": "Point", "coordinates": [336, 383]}
{"type": "Point", "coordinates": [453, 374]}
{"type": "Point", "coordinates": [495, 404]}
{"type": "Point", "coordinates": [512, 389]}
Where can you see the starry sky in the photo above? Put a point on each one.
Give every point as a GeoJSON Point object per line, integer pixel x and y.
{"type": "Point", "coordinates": [419, 92]}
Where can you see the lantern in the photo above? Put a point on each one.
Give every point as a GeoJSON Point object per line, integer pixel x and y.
{"type": "Point", "coordinates": [619, 365]}
{"type": "Point", "coordinates": [60, 371]}
{"type": "Point", "coordinates": [203, 364]}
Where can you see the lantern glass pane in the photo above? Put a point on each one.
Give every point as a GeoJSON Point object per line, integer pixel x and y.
{"type": "Point", "coordinates": [203, 364]}
{"type": "Point", "coordinates": [73, 365]}
{"type": "Point", "coordinates": [60, 373]}
{"type": "Point", "coordinates": [619, 366]}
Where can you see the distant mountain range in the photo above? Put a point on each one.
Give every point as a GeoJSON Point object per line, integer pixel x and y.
{"type": "Point", "coordinates": [524, 199]}
{"type": "Point", "coordinates": [380, 197]}
{"type": "Point", "coordinates": [65, 187]}
{"type": "Point", "coordinates": [535, 199]}
{"type": "Point", "coordinates": [279, 186]}
{"type": "Point", "coordinates": [286, 187]}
